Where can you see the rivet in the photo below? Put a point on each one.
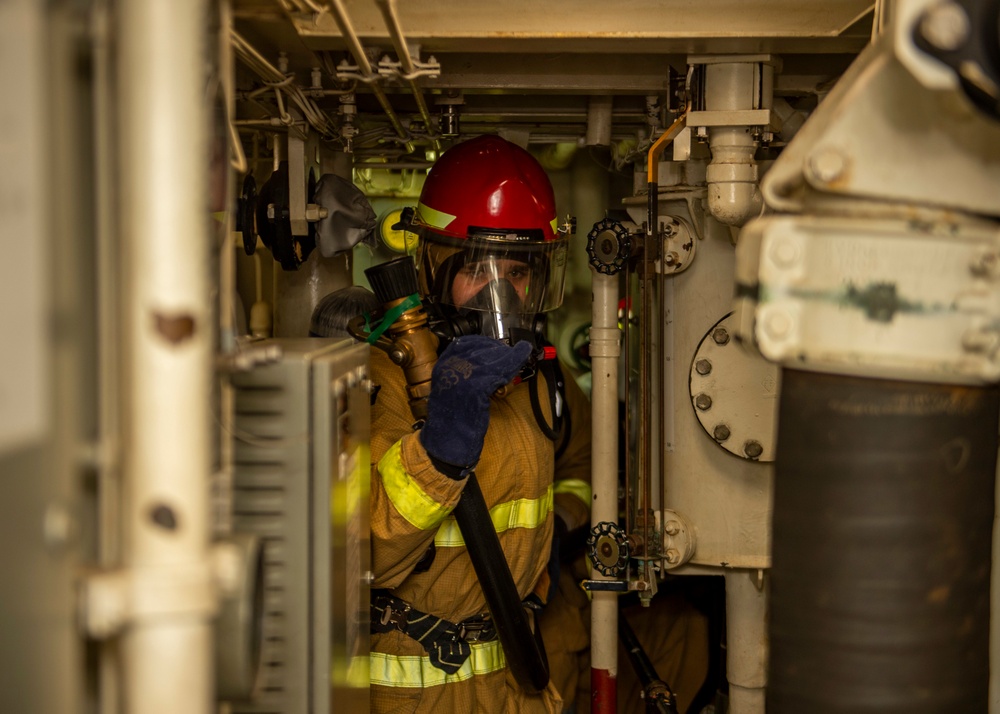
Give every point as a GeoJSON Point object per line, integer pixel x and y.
{"type": "Point", "coordinates": [721, 433]}
{"type": "Point", "coordinates": [753, 449]}
{"type": "Point", "coordinates": [703, 367]}
{"type": "Point", "coordinates": [703, 402]}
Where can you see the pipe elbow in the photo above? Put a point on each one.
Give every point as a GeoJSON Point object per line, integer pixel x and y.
{"type": "Point", "coordinates": [733, 193]}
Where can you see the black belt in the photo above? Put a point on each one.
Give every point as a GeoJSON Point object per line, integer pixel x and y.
{"type": "Point", "coordinates": [446, 642]}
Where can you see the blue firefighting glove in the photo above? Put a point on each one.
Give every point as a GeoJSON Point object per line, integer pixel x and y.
{"type": "Point", "coordinates": [458, 409]}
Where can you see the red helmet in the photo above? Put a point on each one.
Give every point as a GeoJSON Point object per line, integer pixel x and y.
{"type": "Point", "coordinates": [488, 183]}
{"type": "Point", "coordinates": [489, 234]}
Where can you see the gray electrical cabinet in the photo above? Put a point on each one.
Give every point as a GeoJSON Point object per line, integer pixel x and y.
{"type": "Point", "coordinates": [300, 484]}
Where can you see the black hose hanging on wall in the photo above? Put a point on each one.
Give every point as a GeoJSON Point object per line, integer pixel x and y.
{"type": "Point", "coordinates": [883, 519]}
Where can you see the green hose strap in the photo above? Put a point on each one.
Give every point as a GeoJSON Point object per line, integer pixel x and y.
{"type": "Point", "coordinates": [391, 316]}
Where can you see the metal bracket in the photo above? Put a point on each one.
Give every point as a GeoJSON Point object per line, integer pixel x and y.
{"type": "Point", "coordinates": [388, 69]}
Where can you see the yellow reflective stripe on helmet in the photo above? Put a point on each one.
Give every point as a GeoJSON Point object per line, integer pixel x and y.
{"type": "Point", "coordinates": [406, 495]}
{"type": "Point", "coordinates": [417, 671]}
{"type": "Point", "coordinates": [580, 489]}
{"type": "Point", "coordinates": [522, 513]}
{"type": "Point", "coordinates": [430, 217]}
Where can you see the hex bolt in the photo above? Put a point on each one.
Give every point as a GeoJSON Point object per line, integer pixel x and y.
{"type": "Point", "coordinates": [720, 335]}
{"type": "Point", "coordinates": [672, 528]}
{"type": "Point", "coordinates": [703, 402]}
{"type": "Point", "coordinates": [753, 449]}
{"type": "Point", "coordinates": [945, 26]}
{"type": "Point", "coordinates": [673, 556]}
{"type": "Point", "coordinates": [827, 165]}
{"type": "Point", "coordinates": [703, 367]}
{"type": "Point", "coordinates": [778, 323]}
{"type": "Point", "coordinates": [721, 433]}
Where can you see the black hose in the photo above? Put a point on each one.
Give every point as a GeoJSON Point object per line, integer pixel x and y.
{"type": "Point", "coordinates": [525, 655]}
{"type": "Point", "coordinates": [657, 693]}
{"type": "Point", "coordinates": [883, 519]}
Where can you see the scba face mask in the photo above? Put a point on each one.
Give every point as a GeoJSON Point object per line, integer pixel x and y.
{"type": "Point", "coordinates": [501, 287]}
{"type": "Point", "coordinates": [498, 310]}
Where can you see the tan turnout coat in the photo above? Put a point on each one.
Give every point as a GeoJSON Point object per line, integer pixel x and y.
{"type": "Point", "coordinates": [411, 509]}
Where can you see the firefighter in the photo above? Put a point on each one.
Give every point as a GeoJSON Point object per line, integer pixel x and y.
{"type": "Point", "coordinates": [492, 257]}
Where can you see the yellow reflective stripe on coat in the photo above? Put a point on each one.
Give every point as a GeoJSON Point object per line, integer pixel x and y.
{"type": "Point", "coordinates": [410, 500]}
{"type": "Point", "coordinates": [417, 671]}
{"type": "Point", "coordinates": [580, 489]}
{"type": "Point", "coordinates": [522, 513]}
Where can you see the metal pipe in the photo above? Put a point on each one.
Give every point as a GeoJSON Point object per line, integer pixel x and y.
{"type": "Point", "coordinates": [167, 643]}
{"type": "Point", "coordinates": [883, 511]}
{"type": "Point", "coordinates": [605, 348]}
{"type": "Point", "coordinates": [274, 78]}
{"type": "Point", "coordinates": [733, 194]}
{"type": "Point", "coordinates": [651, 253]}
{"type": "Point", "coordinates": [358, 52]}
{"type": "Point", "coordinates": [746, 640]}
{"type": "Point", "coordinates": [391, 18]}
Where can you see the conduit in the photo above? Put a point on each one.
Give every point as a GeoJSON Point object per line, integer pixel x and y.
{"type": "Point", "coordinates": [391, 18]}
{"type": "Point", "coordinates": [358, 52]}
{"type": "Point", "coordinates": [605, 347]}
{"type": "Point", "coordinates": [274, 78]}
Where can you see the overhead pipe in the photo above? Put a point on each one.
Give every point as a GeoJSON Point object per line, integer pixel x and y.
{"type": "Point", "coordinates": [272, 76]}
{"type": "Point", "coordinates": [167, 582]}
{"type": "Point", "coordinates": [391, 18]}
{"type": "Point", "coordinates": [605, 348]}
{"type": "Point", "coordinates": [358, 52]}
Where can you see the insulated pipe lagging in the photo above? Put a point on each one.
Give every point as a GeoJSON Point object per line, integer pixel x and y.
{"type": "Point", "coordinates": [883, 516]}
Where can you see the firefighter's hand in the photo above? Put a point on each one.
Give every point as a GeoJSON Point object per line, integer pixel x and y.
{"type": "Point", "coordinates": [458, 409]}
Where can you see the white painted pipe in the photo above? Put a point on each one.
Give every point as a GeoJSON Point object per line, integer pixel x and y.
{"type": "Point", "coordinates": [733, 188]}
{"type": "Point", "coordinates": [605, 348]}
{"type": "Point", "coordinates": [163, 123]}
{"type": "Point", "coordinates": [746, 640]}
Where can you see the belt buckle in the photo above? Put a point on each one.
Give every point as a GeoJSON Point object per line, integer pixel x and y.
{"type": "Point", "coordinates": [473, 630]}
{"type": "Point", "coordinates": [394, 616]}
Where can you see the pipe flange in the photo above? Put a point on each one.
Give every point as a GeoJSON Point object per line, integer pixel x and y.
{"type": "Point", "coordinates": [608, 246]}
{"type": "Point", "coordinates": [679, 540]}
{"type": "Point", "coordinates": [608, 549]}
{"type": "Point", "coordinates": [734, 393]}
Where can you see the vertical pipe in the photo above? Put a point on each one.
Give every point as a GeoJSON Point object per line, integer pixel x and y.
{"type": "Point", "coordinates": [733, 194]}
{"type": "Point", "coordinates": [604, 350]}
{"type": "Point", "coordinates": [746, 641]}
{"type": "Point", "coordinates": [883, 515]}
{"type": "Point", "coordinates": [163, 127]}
